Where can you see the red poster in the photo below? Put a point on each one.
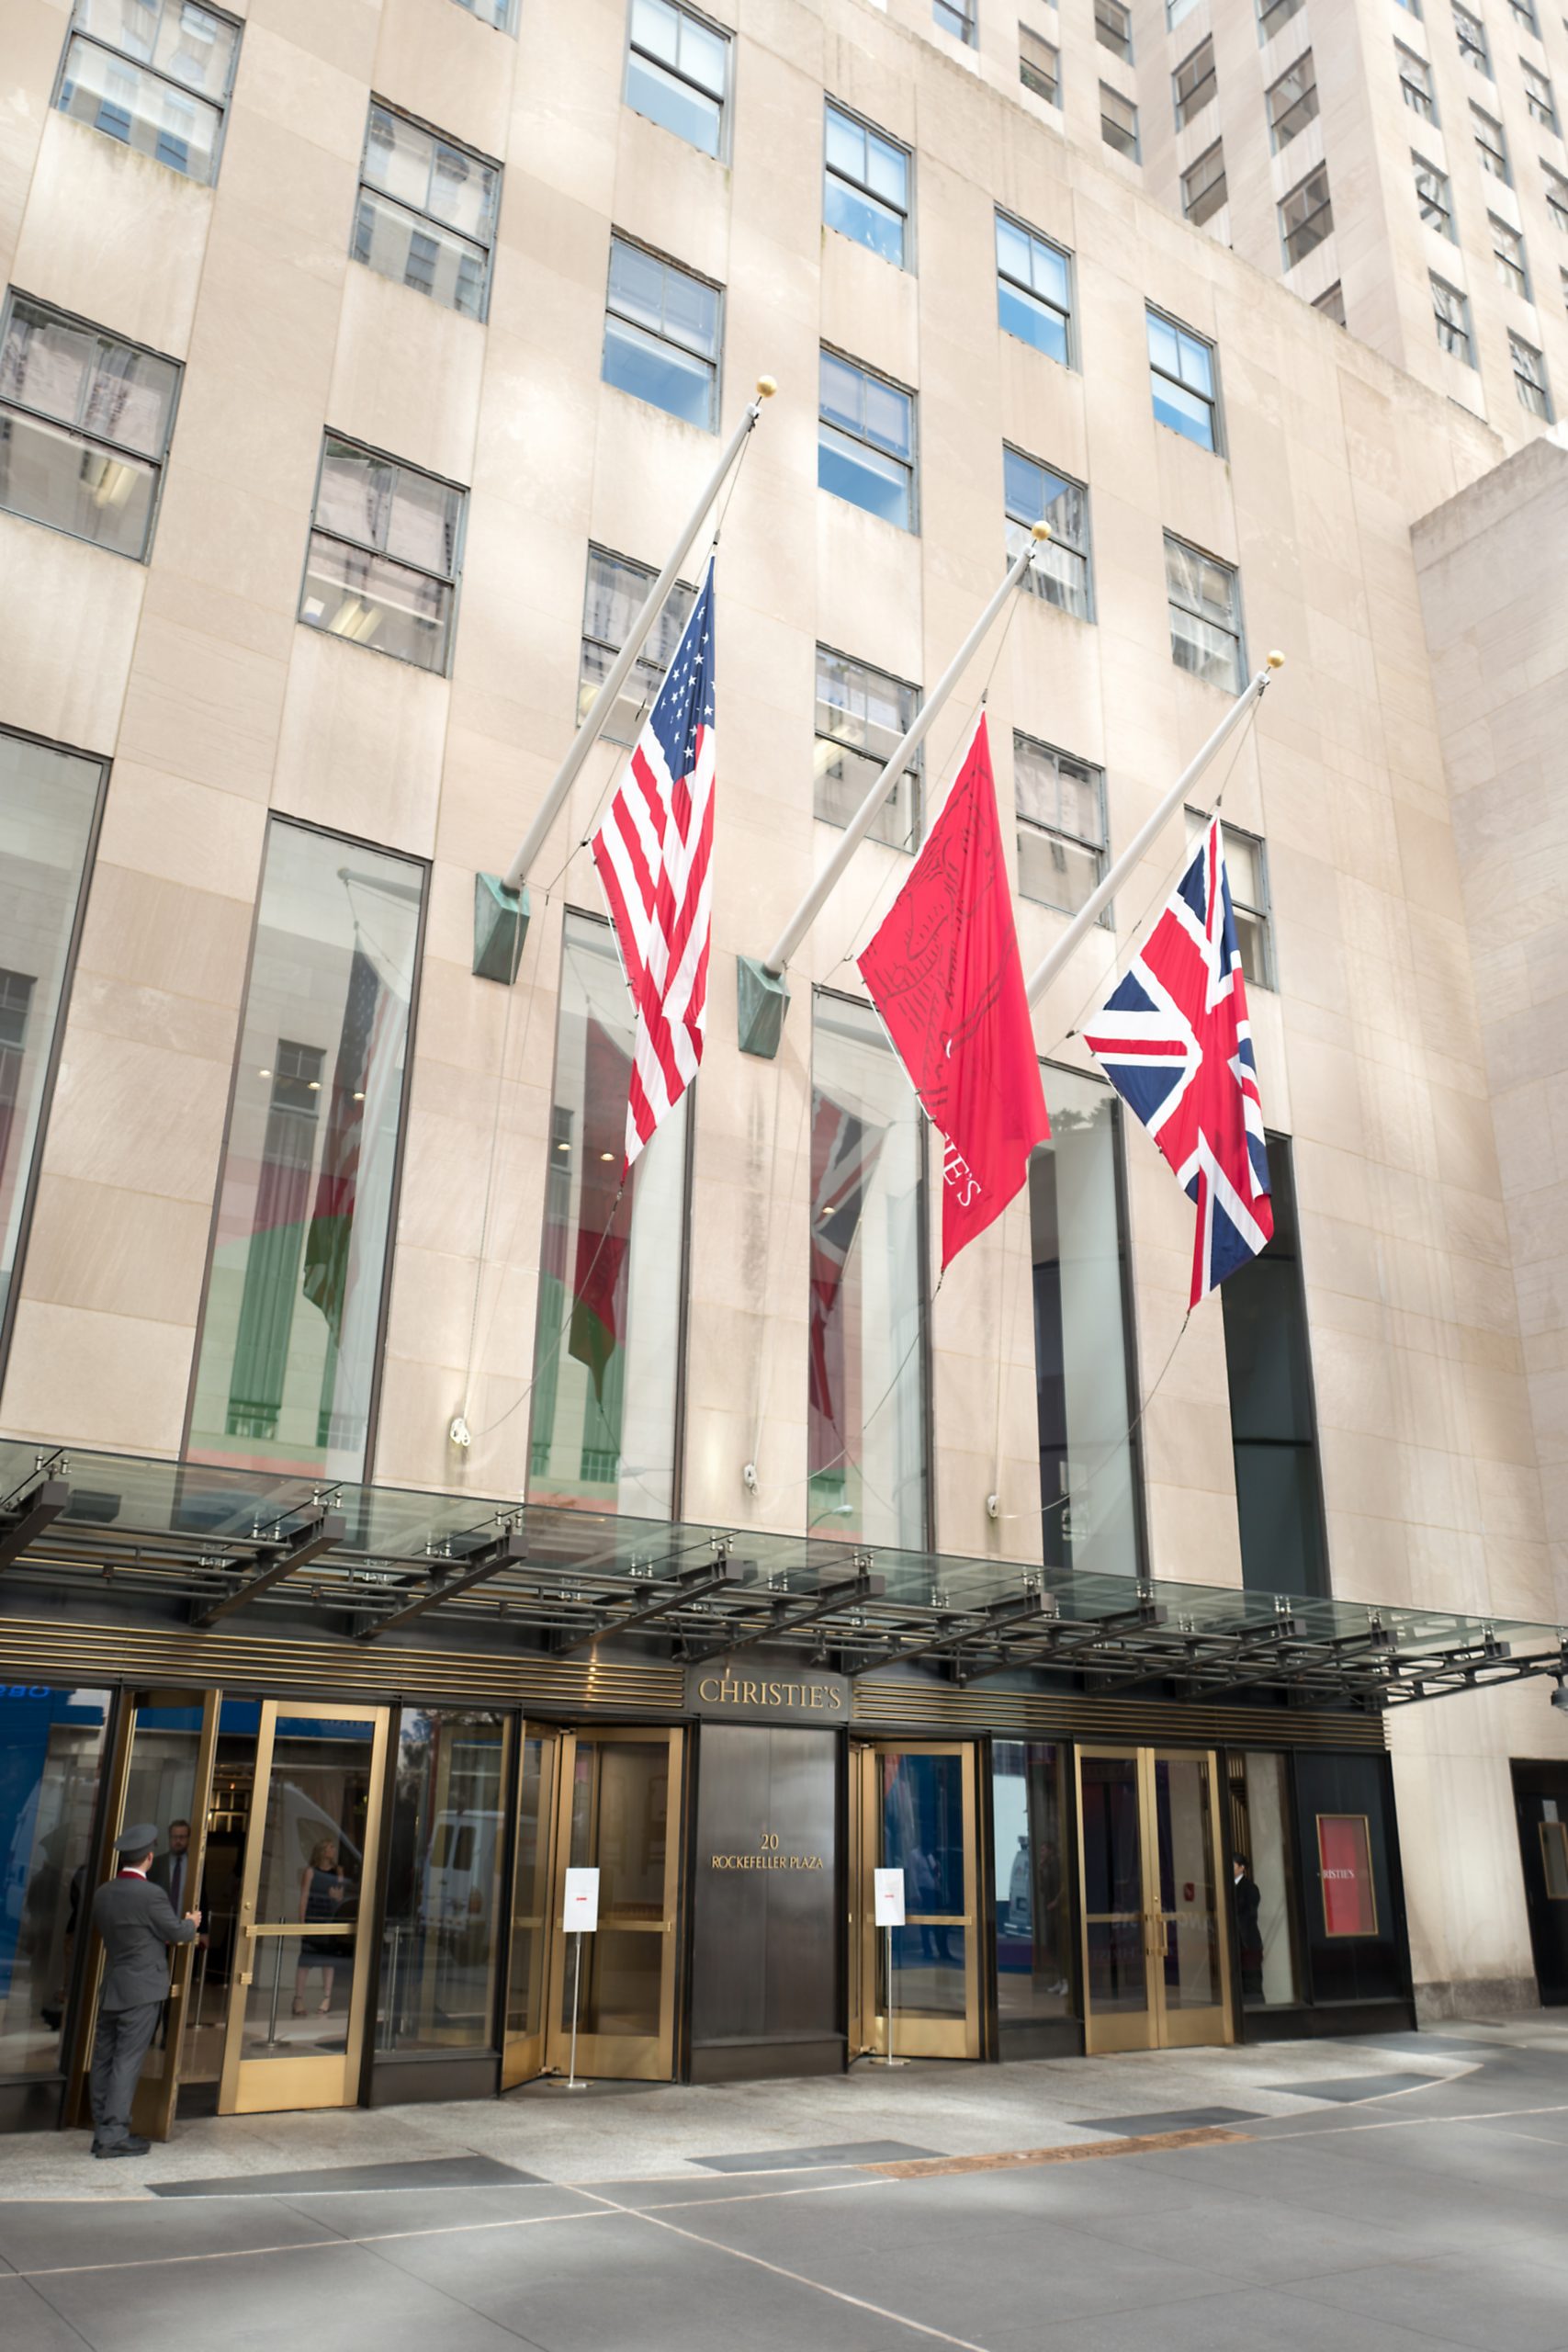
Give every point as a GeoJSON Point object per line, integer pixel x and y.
{"type": "Point", "coordinates": [1344, 1866]}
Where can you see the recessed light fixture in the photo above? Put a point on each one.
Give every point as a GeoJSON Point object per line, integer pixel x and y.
{"type": "Point", "coordinates": [360, 1096]}
{"type": "Point", "coordinates": [264, 1073]}
{"type": "Point", "coordinates": [607, 1155]}
{"type": "Point", "coordinates": [313, 1085]}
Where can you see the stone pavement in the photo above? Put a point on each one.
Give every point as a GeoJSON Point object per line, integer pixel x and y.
{"type": "Point", "coordinates": [1352, 2196]}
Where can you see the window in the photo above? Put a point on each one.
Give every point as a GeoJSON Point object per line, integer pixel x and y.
{"type": "Point", "coordinates": [292, 1330]}
{"type": "Point", "coordinates": [1556, 197]}
{"type": "Point", "coordinates": [1493, 148]}
{"type": "Point", "coordinates": [866, 1383]}
{"type": "Point", "coordinates": [1181, 374]}
{"type": "Point", "coordinates": [676, 71]}
{"type": "Point", "coordinates": [1508, 253]}
{"type": "Point", "coordinates": [1176, 9]}
{"type": "Point", "coordinates": [49, 806]}
{"type": "Point", "coordinates": [1411, 8]}
{"type": "Point", "coordinates": [865, 441]}
{"type": "Point", "coordinates": [1205, 614]}
{"type": "Point", "coordinates": [1416, 82]}
{"type": "Point", "coordinates": [1331, 303]}
{"type": "Point", "coordinates": [1078, 1251]}
{"type": "Point", "coordinates": [957, 18]}
{"type": "Point", "coordinates": [1114, 28]}
{"type": "Point", "coordinates": [1247, 877]}
{"type": "Point", "coordinates": [156, 74]}
{"type": "Point", "coordinates": [1273, 16]}
{"type": "Point", "coordinates": [1061, 570]}
{"type": "Point", "coordinates": [1293, 101]}
{"type": "Point", "coordinates": [1451, 312]}
{"type": "Point", "coordinates": [384, 547]}
{"type": "Point", "coordinates": [1537, 96]}
{"type": "Point", "coordinates": [865, 185]}
{"type": "Point", "coordinates": [1033, 289]}
{"type": "Point", "coordinates": [861, 716]}
{"type": "Point", "coordinates": [1039, 65]}
{"type": "Point", "coordinates": [1273, 1427]}
{"type": "Point", "coordinates": [1529, 377]}
{"type": "Point", "coordinates": [661, 334]}
{"type": "Point", "coordinates": [1435, 197]}
{"type": "Point", "coordinates": [1306, 216]}
{"type": "Point", "coordinates": [1061, 825]}
{"type": "Point", "coordinates": [1472, 36]}
{"type": "Point", "coordinates": [612, 1259]}
{"type": "Point", "coordinates": [1259, 1793]}
{"type": "Point", "coordinates": [428, 213]}
{"type": "Point", "coordinates": [85, 426]}
{"type": "Point", "coordinates": [445, 1931]}
{"type": "Point", "coordinates": [498, 13]}
{"type": "Point", "coordinates": [1524, 14]}
{"type": "Point", "coordinates": [1204, 185]}
{"type": "Point", "coordinates": [1118, 121]}
{"type": "Point", "coordinates": [51, 1752]}
{"type": "Point", "coordinates": [1029, 1848]}
{"type": "Point", "coordinates": [1192, 83]}
{"type": "Point", "coordinates": [615, 593]}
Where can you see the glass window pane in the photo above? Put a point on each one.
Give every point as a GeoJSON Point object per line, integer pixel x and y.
{"type": "Point", "coordinates": [463, 193]}
{"type": "Point", "coordinates": [140, 108]}
{"type": "Point", "coordinates": [653, 90]}
{"type": "Point", "coordinates": [351, 593]}
{"type": "Point", "coordinates": [843, 393]}
{"type": "Point", "coordinates": [132, 398]}
{"type": "Point", "coordinates": [1023, 315]}
{"type": "Point", "coordinates": [1033, 1925]}
{"type": "Point", "coordinates": [607, 1342]}
{"type": "Point", "coordinates": [354, 497]}
{"type": "Point", "coordinates": [1184, 411]}
{"type": "Point", "coordinates": [1012, 250]}
{"type": "Point", "coordinates": [47, 362]}
{"type": "Point", "coordinates": [615, 593]}
{"type": "Point", "coordinates": [397, 157]}
{"type": "Point", "coordinates": [291, 1335]}
{"type": "Point", "coordinates": [408, 248]}
{"type": "Point", "coordinates": [52, 1746]}
{"type": "Point", "coordinates": [1057, 792]}
{"type": "Point", "coordinates": [888, 414]}
{"type": "Point", "coordinates": [1263, 1873]}
{"type": "Point", "coordinates": [422, 526]}
{"type": "Point", "coordinates": [866, 1418]}
{"type": "Point", "coordinates": [1086, 1452]}
{"type": "Point", "coordinates": [55, 476]}
{"type": "Point", "coordinates": [704, 53]}
{"type": "Point", "coordinates": [196, 48]}
{"type": "Point", "coordinates": [656, 26]}
{"type": "Point", "coordinates": [855, 214]}
{"type": "Point", "coordinates": [656, 371]}
{"type": "Point", "coordinates": [441, 1946]}
{"type": "Point", "coordinates": [853, 471]}
{"type": "Point", "coordinates": [1273, 1433]}
{"type": "Point", "coordinates": [844, 142]}
{"type": "Point", "coordinates": [888, 170]}
{"type": "Point", "coordinates": [1055, 872]}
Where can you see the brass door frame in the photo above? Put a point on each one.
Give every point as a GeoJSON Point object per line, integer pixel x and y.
{"type": "Point", "coordinates": [152, 2110]}
{"type": "Point", "coordinates": [623, 2057]}
{"type": "Point", "coordinates": [1156, 2026]}
{"type": "Point", "coordinates": [328, 2078]}
{"type": "Point", "coordinates": [913, 2037]}
{"type": "Point", "coordinates": [523, 2054]}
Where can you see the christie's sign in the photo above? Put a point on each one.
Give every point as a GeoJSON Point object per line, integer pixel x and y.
{"type": "Point", "coordinates": [789, 1694]}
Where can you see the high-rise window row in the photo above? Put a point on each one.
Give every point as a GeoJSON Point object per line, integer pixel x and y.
{"type": "Point", "coordinates": [1034, 299]}
{"type": "Point", "coordinates": [1292, 101]}
{"type": "Point", "coordinates": [155, 75]}
{"type": "Point", "coordinates": [427, 216]}
{"type": "Point", "coordinates": [1181, 373]}
{"type": "Point", "coordinates": [1529, 377]}
{"type": "Point", "coordinates": [1205, 599]}
{"type": "Point", "coordinates": [1039, 65]}
{"type": "Point", "coordinates": [664, 328]}
{"type": "Point", "coordinates": [1203, 188]}
{"type": "Point", "coordinates": [865, 185]}
{"type": "Point", "coordinates": [1114, 28]}
{"type": "Point", "coordinates": [1306, 216]}
{"type": "Point", "coordinates": [1061, 570]}
{"type": "Point", "coordinates": [1435, 196]}
{"type": "Point", "coordinates": [1118, 121]}
{"type": "Point", "coordinates": [1416, 82]}
{"type": "Point", "coordinates": [1509, 254]}
{"type": "Point", "coordinates": [678, 72]}
{"type": "Point", "coordinates": [1537, 96]}
{"type": "Point", "coordinates": [1450, 311]}
{"type": "Point", "coordinates": [1193, 84]}
{"type": "Point", "coordinates": [85, 426]}
{"type": "Point", "coordinates": [861, 715]}
{"type": "Point", "coordinates": [1273, 16]}
{"type": "Point", "coordinates": [1470, 34]}
{"type": "Point", "coordinates": [865, 440]}
{"type": "Point", "coordinates": [1490, 144]}
{"type": "Point", "coordinates": [615, 593]}
{"type": "Point", "coordinates": [1060, 804]}
{"type": "Point", "coordinates": [384, 551]}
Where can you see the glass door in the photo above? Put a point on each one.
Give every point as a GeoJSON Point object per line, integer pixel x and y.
{"type": "Point", "coordinates": [523, 2049]}
{"type": "Point", "coordinates": [162, 1774]}
{"type": "Point", "coordinates": [620, 1813]}
{"type": "Point", "coordinates": [1156, 1959]}
{"type": "Point", "coordinates": [918, 1815]}
{"type": "Point", "coordinates": [303, 1959]}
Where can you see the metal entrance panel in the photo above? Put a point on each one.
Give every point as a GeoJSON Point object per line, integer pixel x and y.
{"type": "Point", "coordinates": [1156, 1955]}
{"type": "Point", "coordinates": [618, 1810]}
{"type": "Point", "coordinates": [913, 1807]}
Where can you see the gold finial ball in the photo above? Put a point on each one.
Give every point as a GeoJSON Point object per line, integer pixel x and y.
{"type": "Point", "coordinates": [1041, 531]}
{"type": "Point", "coordinates": [1276, 660]}
{"type": "Point", "coordinates": [766, 387]}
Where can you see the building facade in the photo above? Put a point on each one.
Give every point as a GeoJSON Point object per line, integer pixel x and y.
{"type": "Point", "coordinates": [413, 1511]}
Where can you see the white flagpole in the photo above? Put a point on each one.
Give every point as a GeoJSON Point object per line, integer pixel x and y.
{"type": "Point", "coordinates": [603, 702]}
{"type": "Point", "coordinates": [1087, 914]}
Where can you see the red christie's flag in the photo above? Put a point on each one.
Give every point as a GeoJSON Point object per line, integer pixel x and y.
{"type": "Point", "coordinates": [943, 972]}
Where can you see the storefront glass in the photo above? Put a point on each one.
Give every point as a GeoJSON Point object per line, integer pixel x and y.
{"type": "Point", "coordinates": [52, 1746]}
{"type": "Point", "coordinates": [1080, 1353]}
{"type": "Point", "coordinates": [1262, 1870]}
{"type": "Point", "coordinates": [1353, 1943]}
{"type": "Point", "coordinates": [291, 1335]}
{"type": "Point", "coordinates": [444, 1934]}
{"type": "Point", "coordinates": [1279, 1492]}
{"type": "Point", "coordinates": [1033, 1917]}
{"type": "Point", "coordinates": [607, 1352]}
{"type": "Point", "coordinates": [866, 1397]}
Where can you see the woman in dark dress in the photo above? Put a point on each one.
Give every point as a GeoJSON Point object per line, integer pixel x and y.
{"type": "Point", "coordinates": [323, 1892]}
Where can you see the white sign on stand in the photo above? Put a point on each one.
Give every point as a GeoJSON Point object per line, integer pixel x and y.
{"type": "Point", "coordinates": [580, 1912]}
{"type": "Point", "coordinates": [889, 1898]}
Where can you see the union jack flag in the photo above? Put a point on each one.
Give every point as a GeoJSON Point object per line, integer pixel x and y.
{"type": "Point", "coordinates": [1173, 1038]}
{"type": "Point", "coordinates": [654, 853]}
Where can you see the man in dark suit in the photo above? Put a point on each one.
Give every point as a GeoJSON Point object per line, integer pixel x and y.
{"type": "Point", "coordinates": [170, 1868]}
{"type": "Point", "coordinates": [1248, 1933]}
{"type": "Point", "coordinates": [138, 1923]}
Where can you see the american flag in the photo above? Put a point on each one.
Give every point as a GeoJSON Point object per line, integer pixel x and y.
{"type": "Point", "coordinates": [1174, 1041]}
{"type": "Point", "coordinates": [654, 852]}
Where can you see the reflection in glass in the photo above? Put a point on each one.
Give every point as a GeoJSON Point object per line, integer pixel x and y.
{"type": "Point", "coordinates": [861, 716]}
{"type": "Point", "coordinates": [607, 1351]}
{"type": "Point", "coordinates": [530, 1903]}
{"type": "Point", "coordinates": [1086, 1452]}
{"type": "Point", "coordinates": [866, 1422]}
{"type": "Point", "coordinates": [1279, 1493]}
{"type": "Point", "coordinates": [426, 213]}
{"type": "Point", "coordinates": [921, 1803]}
{"type": "Point", "coordinates": [48, 800]}
{"type": "Point", "coordinates": [1032, 1921]}
{"type": "Point", "coordinates": [52, 1746]}
{"type": "Point", "coordinates": [1189, 1882]}
{"type": "Point", "coordinates": [1114, 1885]}
{"type": "Point", "coordinates": [310, 1870]}
{"type": "Point", "coordinates": [291, 1339]}
{"type": "Point", "coordinates": [1262, 1875]}
{"type": "Point", "coordinates": [615, 593]}
{"type": "Point", "coordinates": [444, 1875]}
{"type": "Point", "coordinates": [620, 1826]}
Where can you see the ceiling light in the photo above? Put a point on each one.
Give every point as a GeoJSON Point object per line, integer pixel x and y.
{"type": "Point", "coordinates": [607, 1155]}
{"type": "Point", "coordinates": [264, 1073]}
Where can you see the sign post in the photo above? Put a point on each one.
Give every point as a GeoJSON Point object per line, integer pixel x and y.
{"type": "Point", "coordinates": [580, 1918]}
{"type": "Point", "coordinates": [888, 1886]}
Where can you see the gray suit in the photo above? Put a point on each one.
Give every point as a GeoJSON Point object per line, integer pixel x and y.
{"type": "Point", "coordinates": [138, 1923]}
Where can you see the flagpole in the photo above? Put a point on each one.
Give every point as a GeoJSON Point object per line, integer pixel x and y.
{"type": "Point", "coordinates": [1089, 914]}
{"type": "Point", "coordinates": [499, 924]}
{"type": "Point", "coordinates": [763, 992]}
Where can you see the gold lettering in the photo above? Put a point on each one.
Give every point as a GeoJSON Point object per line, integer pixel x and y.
{"type": "Point", "coordinates": [728, 1693]}
{"type": "Point", "coordinates": [836, 1699]}
{"type": "Point", "coordinates": [708, 1688]}
{"type": "Point", "coordinates": [775, 1692]}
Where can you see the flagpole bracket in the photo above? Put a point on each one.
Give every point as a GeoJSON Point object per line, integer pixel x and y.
{"type": "Point", "coordinates": [763, 1002]}
{"type": "Point", "coordinates": [500, 926]}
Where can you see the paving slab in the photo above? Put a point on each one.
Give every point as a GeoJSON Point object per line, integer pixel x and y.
{"type": "Point", "coordinates": [421, 2172]}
